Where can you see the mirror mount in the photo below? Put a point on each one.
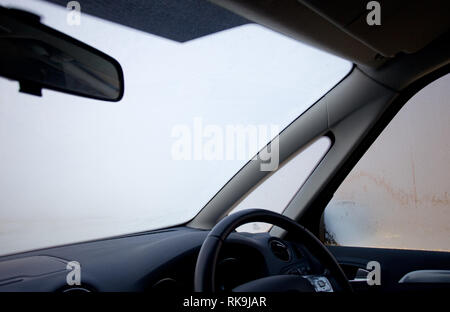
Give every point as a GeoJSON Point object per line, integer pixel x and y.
{"type": "Point", "coordinates": [30, 88]}
{"type": "Point", "coordinates": [27, 86]}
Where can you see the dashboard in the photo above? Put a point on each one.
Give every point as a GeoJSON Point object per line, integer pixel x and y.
{"type": "Point", "coordinates": [153, 261]}
{"type": "Point", "coordinates": [164, 260]}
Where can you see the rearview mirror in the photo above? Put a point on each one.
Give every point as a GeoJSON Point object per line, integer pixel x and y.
{"type": "Point", "coordinates": [41, 57]}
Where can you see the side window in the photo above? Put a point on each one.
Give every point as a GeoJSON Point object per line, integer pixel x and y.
{"type": "Point", "coordinates": [276, 191]}
{"type": "Point", "coordinates": [398, 195]}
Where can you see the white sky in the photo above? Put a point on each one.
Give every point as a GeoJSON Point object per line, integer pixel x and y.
{"type": "Point", "coordinates": [73, 169]}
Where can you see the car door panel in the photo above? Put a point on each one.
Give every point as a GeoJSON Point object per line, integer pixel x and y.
{"type": "Point", "coordinates": [395, 264]}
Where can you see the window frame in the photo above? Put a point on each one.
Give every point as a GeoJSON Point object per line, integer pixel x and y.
{"type": "Point", "coordinates": [297, 153]}
{"type": "Point", "coordinates": [313, 219]}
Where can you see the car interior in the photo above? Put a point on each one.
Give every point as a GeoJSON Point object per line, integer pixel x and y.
{"type": "Point", "coordinates": [391, 63]}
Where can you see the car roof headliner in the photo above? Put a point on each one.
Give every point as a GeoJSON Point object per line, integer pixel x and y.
{"type": "Point", "coordinates": [338, 27]}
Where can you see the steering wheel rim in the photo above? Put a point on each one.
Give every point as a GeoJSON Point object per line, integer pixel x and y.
{"type": "Point", "coordinates": [204, 276]}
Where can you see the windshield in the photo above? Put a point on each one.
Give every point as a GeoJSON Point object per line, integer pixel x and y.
{"type": "Point", "coordinates": [75, 169]}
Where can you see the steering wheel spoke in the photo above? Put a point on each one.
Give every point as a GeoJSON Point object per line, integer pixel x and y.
{"type": "Point", "coordinates": [277, 283]}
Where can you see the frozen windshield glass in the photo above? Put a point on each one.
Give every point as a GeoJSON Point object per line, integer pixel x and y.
{"type": "Point", "coordinates": [73, 169]}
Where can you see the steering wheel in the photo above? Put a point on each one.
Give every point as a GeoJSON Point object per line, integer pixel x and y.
{"type": "Point", "coordinates": [204, 277]}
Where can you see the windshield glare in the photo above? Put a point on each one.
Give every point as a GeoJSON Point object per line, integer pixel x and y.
{"type": "Point", "coordinates": [75, 169]}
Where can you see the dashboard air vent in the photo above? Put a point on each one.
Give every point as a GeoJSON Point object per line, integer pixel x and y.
{"type": "Point", "coordinates": [280, 250]}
